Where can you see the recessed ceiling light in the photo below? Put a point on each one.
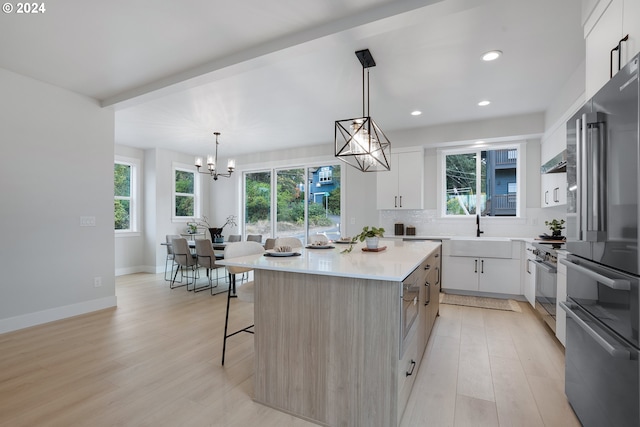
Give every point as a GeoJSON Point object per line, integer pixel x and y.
{"type": "Point", "coordinates": [416, 113]}
{"type": "Point", "coordinates": [480, 142]}
{"type": "Point", "coordinates": [484, 103]}
{"type": "Point", "coordinates": [491, 55]}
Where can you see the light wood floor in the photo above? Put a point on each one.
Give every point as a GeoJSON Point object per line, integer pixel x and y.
{"type": "Point", "coordinates": [155, 361]}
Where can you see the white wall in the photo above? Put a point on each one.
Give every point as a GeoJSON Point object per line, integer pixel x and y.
{"type": "Point", "coordinates": [56, 166]}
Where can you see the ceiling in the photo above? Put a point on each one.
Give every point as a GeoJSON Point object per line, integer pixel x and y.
{"type": "Point", "coordinates": [277, 74]}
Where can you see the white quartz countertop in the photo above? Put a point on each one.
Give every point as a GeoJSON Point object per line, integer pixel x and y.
{"type": "Point", "coordinates": [395, 263]}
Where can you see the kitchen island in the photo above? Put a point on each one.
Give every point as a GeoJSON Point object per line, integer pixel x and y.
{"type": "Point", "coordinates": [329, 340]}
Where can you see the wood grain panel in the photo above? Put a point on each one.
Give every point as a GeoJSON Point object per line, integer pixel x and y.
{"type": "Point", "coordinates": [327, 347]}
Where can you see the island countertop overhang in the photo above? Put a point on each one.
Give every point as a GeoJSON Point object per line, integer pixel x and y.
{"type": "Point", "coordinates": [394, 263]}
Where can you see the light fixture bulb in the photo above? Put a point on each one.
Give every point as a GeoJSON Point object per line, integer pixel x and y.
{"type": "Point", "coordinates": [491, 55]}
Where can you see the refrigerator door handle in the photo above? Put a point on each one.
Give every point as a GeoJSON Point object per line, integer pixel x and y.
{"type": "Point", "coordinates": [618, 353]}
{"type": "Point", "coordinates": [617, 284]}
{"type": "Point", "coordinates": [581, 174]}
{"type": "Point", "coordinates": [594, 155]}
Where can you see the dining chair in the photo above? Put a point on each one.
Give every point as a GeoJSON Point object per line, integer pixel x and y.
{"type": "Point", "coordinates": [234, 238]}
{"type": "Point", "coordinates": [170, 257]}
{"type": "Point", "coordinates": [269, 243]}
{"type": "Point", "coordinates": [294, 242]}
{"type": "Point", "coordinates": [207, 259]}
{"type": "Point", "coordinates": [254, 238]}
{"type": "Point", "coordinates": [186, 262]}
{"type": "Point", "coordinates": [242, 291]}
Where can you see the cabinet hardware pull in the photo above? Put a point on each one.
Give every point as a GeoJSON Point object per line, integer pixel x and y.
{"type": "Point", "coordinates": [546, 201]}
{"type": "Point", "coordinates": [619, 49]}
{"type": "Point", "coordinates": [475, 268]}
{"type": "Point", "coordinates": [400, 201]}
{"type": "Point", "coordinates": [395, 201]}
{"type": "Point", "coordinates": [438, 270]}
{"type": "Point", "coordinates": [428, 285]}
{"type": "Point", "coordinates": [411, 368]}
{"type": "Point", "coordinates": [427, 267]}
{"type": "Point", "coordinates": [482, 266]}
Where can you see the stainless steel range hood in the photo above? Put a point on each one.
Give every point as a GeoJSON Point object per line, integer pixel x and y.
{"type": "Point", "coordinates": [556, 165]}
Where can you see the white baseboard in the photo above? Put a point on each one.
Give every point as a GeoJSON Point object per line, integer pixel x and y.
{"type": "Point", "coordinates": [139, 269]}
{"type": "Point", "coordinates": [57, 313]}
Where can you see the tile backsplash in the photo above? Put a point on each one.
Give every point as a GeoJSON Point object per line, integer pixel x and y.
{"type": "Point", "coordinates": [428, 223]}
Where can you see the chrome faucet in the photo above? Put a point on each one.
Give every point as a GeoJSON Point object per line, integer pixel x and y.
{"type": "Point", "coordinates": [478, 232]}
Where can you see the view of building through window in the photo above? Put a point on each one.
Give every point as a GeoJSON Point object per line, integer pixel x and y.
{"type": "Point", "coordinates": [482, 182]}
{"type": "Point", "coordinates": [306, 202]}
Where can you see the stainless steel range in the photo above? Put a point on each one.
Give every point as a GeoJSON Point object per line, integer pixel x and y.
{"type": "Point", "coordinates": [546, 288]}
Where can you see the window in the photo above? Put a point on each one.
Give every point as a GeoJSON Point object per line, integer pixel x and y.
{"type": "Point", "coordinates": [306, 201]}
{"type": "Point", "coordinates": [185, 193]}
{"type": "Point", "coordinates": [124, 191]}
{"type": "Point", "coordinates": [484, 182]}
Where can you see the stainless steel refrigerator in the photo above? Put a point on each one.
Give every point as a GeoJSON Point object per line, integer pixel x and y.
{"type": "Point", "coordinates": [602, 377]}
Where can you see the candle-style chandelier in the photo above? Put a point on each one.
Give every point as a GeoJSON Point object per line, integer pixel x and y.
{"type": "Point", "coordinates": [360, 142]}
{"type": "Point", "coordinates": [212, 163]}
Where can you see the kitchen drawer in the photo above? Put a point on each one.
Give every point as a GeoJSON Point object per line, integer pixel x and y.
{"type": "Point", "coordinates": [407, 371]}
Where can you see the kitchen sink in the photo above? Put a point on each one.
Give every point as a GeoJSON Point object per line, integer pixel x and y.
{"type": "Point", "coordinates": [484, 247]}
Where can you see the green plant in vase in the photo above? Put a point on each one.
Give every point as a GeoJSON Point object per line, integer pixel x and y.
{"type": "Point", "coordinates": [556, 227]}
{"type": "Point", "coordinates": [368, 234]}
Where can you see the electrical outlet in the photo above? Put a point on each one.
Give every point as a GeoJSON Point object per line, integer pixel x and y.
{"type": "Point", "coordinates": [97, 282]}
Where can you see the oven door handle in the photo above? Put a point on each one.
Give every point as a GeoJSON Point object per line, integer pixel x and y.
{"type": "Point", "coordinates": [613, 351]}
{"type": "Point", "coordinates": [618, 284]}
{"type": "Point", "coordinates": [545, 267]}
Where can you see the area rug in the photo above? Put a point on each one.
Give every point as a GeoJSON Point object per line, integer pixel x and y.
{"type": "Point", "coordinates": [480, 302]}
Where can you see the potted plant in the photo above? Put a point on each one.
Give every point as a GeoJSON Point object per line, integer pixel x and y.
{"type": "Point", "coordinates": [556, 227]}
{"type": "Point", "coordinates": [370, 235]}
{"type": "Point", "coordinates": [216, 233]}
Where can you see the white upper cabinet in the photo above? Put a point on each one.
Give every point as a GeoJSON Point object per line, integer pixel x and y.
{"type": "Point", "coordinates": [403, 186]}
{"type": "Point", "coordinates": [605, 26]}
{"type": "Point", "coordinates": [553, 186]}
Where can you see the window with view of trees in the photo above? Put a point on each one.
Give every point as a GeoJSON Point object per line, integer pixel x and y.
{"type": "Point", "coordinates": [184, 193]}
{"type": "Point", "coordinates": [481, 182]}
{"type": "Point", "coordinates": [122, 203]}
{"type": "Point", "coordinates": [306, 202]}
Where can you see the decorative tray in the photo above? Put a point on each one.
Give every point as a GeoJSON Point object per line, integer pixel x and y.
{"type": "Point", "coordinates": [380, 249]}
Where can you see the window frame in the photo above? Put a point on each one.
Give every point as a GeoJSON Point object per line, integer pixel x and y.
{"type": "Point", "coordinates": [197, 196]}
{"type": "Point", "coordinates": [134, 194]}
{"type": "Point", "coordinates": [519, 146]}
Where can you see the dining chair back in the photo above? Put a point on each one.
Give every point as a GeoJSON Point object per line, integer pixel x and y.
{"type": "Point", "coordinates": [170, 257]}
{"type": "Point", "coordinates": [254, 238]}
{"type": "Point", "coordinates": [206, 257]}
{"type": "Point", "coordinates": [186, 261]}
{"type": "Point", "coordinates": [234, 238]}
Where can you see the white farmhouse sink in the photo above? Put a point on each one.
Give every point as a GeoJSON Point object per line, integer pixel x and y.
{"type": "Point", "coordinates": [484, 247]}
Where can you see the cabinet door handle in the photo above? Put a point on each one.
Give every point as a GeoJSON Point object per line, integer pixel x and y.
{"type": "Point", "coordinates": [400, 201]}
{"type": "Point", "coordinates": [411, 368]}
{"type": "Point", "coordinates": [475, 267]}
{"type": "Point", "coordinates": [482, 266]}
{"type": "Point", "coordinates": [427, 267]}
{"type": "Point", "coordinates": [556, 194]}
{"type": "Point", "coordinates": [619, 49]}
{"type": "Point", "coordinates": [395, 201]}
{"type": "Point", "coordinates": [428, 286]}
{"type": "Point", "coordinates": [546, 199]}
{"type": "Point", "coordinates": [438, 270]}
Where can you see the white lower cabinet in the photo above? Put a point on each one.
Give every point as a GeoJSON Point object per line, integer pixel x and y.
{"type": "Point", "coordinates": [491, 275]}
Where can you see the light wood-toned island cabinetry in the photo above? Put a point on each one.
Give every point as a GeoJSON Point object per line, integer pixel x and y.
{"type": "Point", "coordinates": [328, 332]}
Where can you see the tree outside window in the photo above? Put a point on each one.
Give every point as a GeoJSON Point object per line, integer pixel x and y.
{"type": "Point", "coordinates": [184, 190]}
{"type": "Point", "coordinates": [122, 204]}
